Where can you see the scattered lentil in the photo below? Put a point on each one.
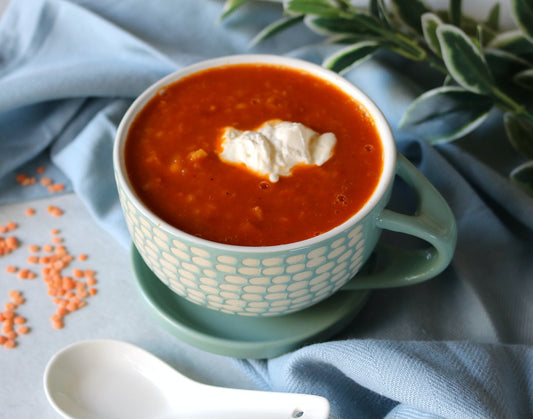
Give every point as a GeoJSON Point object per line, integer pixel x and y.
{"type": "Point", "coordinates": [9, 243]}
{"type": "Point", "coordinates": [69, 292]}
{"type": "Point", "coordinates": [23, 330]}
{"type": "Point", "coordinates": [9, 318]}
{"type": "Point", "coordinates": [56, 187]}
{"type": "Point", "coordinates": [45, 181]}
{"type": "Point", "coordinates": [10, 343]}
{"type": "Point", "coordinates": [19, 320]}
{"type": "Point", "coordinates": [11, 225]}
{"type": "Point", "coordinates": [25, 180]}
{"type": "Point", "coordinates": [32, 259]}
{"type": "Point", "coordinates": [55, 211]}
{"type": "Point", "coordinates": [33, 248]}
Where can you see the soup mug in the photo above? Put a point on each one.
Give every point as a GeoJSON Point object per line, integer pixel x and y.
{"type": "Point", "coordinates": [277, 280]}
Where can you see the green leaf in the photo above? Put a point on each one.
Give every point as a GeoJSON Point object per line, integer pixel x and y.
{"type": "Point", "coordinates": [445, 114]}
{"type": "Point", "coordinates": [410, 12]}
{"type": "Point", "coordinates": [469, 26]}
{"type": "Point", "coordinates": [479, 36]}
{"type": "Point", "coordinates": [448, 81]}
{"type": "Point", "coordinates": [323, 8]}
{"type": "Point", "coordinates": [430, 23]}
{"type": "Point", "coordinates": [379, 11]}
{"type": "Point", "coordinates": [504, 65]}
{"type": "Point", "coordinates": [230, 6]}
{"type": "Point", "coordinates": [522, 177]}
{"type": "Point", "coordinates": [330, 26]}
{"type": "Point", "coordinates": [522, 11]}
{"type": "Point", "coordinates": [515, 43]}
{"type": "Point", "coordinates": [406, 48]}
{"type": "Point", "coordinates": [524, 79]}
{"type": "Point", "coordinates": [350, 56]}
{"type": "Point", "coordinates": [493, 19]}
{"type": "Point", "coordinates": [464, 60]}
{"type": "Point", "coordinates": [485, 34]}
{"type": "Point", "coordinates": [455, 12]}
{"type": "Point", "coordinates": [512, 41]}
{"type": "Point", "coordinates": [519, 130]}
{"type": "Point", "coordinates": [276, 27]}
{"type": "Point", "coordinates": [350, 39]}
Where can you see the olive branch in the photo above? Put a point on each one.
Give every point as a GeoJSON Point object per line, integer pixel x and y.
{"type": "Point", "coordinates": [481, 66]}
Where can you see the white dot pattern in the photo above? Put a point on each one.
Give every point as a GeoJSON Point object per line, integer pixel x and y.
{"type": "Point", "coordinates": [246, 284]}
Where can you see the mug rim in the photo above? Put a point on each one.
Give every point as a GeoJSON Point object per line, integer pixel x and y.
{"type": "Point", "coordinates": [381, 123]}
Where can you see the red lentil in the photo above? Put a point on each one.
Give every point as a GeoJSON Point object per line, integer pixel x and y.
{"type": "Point", "coordinates": [33, 248]}
{"type": "Point", "coordinates": [14, 294]}
{"type": "Point", "coordinates": [55, 211]}
{"type": "Point", "coordinates": [19, 320]}
{"type": "Point", "coordinates": [56, 187]}
{"type": "Point", "coordinates": [23, 330]}
{"type": "Point", "coordinates": [32, 259]}
{"type": "Point", "coordinates": [46, 181]}
{"type": "Point", "coordinates": [11, 269]}
{"type": "Point", "coordinates": [11, 226]}
{"type": "Point", "coordinates": [10, 343]}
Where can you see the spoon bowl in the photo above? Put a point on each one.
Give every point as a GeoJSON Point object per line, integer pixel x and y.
{"type": "Point", "coordinates": [111, 379]}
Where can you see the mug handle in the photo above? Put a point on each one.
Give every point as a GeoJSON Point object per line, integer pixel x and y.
{"type": "Point", "coordinates": [433, 222]}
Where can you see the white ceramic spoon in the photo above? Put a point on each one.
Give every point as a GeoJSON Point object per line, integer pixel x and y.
{"type": "Point", "coordinates": [109, 379]}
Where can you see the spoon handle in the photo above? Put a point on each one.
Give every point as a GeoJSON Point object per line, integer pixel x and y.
{"type": "Point", "coordinates": [227, 403]}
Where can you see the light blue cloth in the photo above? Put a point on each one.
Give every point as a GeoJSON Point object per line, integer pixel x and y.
{"type": "Point", "coordinates": [458, 346]}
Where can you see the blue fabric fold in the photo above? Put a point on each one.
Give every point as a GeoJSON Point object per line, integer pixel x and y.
{"type": "Point", "coordinates": [395, 379]}
{"type": "Point", "coordinates": [458, 346]}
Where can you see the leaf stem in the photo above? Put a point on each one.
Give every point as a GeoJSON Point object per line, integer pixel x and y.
{"type": "Point", "coordinates": [436, 63]}
{"type": "Point", "coordinates": [509, 104]}
{"type": "Point", "coordinates": [396, 38]}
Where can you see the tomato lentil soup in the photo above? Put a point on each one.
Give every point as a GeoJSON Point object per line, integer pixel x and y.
{"type": "Point", "coordinates": [172, 161]}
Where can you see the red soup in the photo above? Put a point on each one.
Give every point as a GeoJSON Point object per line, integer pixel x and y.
{"type": "Point", "coordinates": [173, 164]}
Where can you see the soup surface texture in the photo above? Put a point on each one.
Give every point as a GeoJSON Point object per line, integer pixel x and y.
{"type": "Point", "coordinates": [173, 164]}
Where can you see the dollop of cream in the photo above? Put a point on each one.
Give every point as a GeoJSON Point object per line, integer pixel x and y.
{"type": "Point", "coordinates": [276, 147]}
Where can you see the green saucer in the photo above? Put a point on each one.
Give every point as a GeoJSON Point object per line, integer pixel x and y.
{"type": "Point", "coordinates": [240, 336]}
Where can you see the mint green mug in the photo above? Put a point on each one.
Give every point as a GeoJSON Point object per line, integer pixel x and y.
{"type": "Point", "coordinates": [277, 280]}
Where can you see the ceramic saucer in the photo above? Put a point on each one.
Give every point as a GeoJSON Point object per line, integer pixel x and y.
{"type": "Point", "coordinates": [241, 336]}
